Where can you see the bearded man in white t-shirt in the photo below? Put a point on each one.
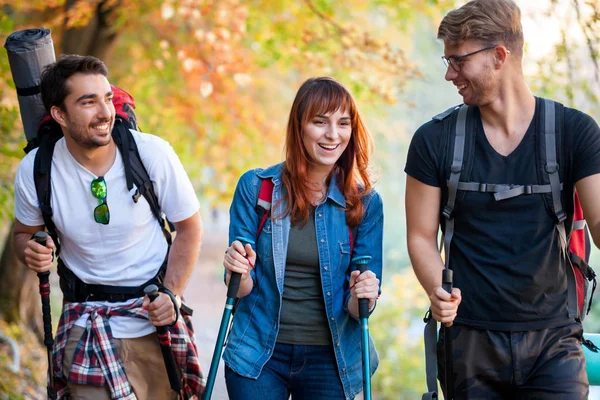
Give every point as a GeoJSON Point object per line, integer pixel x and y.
{"type": "Point", "coordinates": [108, 349]}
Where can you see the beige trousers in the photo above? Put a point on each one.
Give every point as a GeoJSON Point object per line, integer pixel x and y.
{"type": "Point", "coordinates": [143, 364]}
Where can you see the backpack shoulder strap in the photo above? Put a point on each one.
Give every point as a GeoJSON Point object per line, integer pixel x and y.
{"type": "Point", "coordinates": [551, 132]}
{"type": "Point", "coordinates": [263, 204]}
{"type": "Point", "coordinates": [551, 165]}
{"type": "Point", "coordinates": [42, 166]}
{"type": "Point", "coordinates": [352, 234]}
{"type": "Point", "coordinates": [124, 140]}
{"type": "Point", "coordinates": [456, 168]}
{"type": "Point", "coordinates": [136, 173]}
{"type": "Point", "coordinates": [443, 115]}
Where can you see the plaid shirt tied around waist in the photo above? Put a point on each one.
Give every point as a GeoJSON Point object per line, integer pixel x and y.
{"type": "Point", "coordinates": [96, 361]}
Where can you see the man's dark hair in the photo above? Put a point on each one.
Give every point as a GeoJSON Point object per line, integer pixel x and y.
{"type": "Point", "coordinates": [54, 77]}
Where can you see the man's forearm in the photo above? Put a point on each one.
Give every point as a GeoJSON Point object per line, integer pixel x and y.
{"type": "Point", "coordinates": [595, 232]}
{"type": "Point", "coordinates": [22, 234]}
{"type": "Point", "coordinates": [426, 262]}
{"type": "Point", "coordinates": [183, 255]}
{"type": "Point", "coordinates": [20, 243]}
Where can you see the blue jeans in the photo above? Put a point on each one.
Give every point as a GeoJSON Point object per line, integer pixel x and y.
{"type": "Point", "coordinates": [305, 372]}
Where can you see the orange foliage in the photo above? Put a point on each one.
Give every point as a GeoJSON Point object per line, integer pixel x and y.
{"type": "Point", "coordinates": [216, 77]}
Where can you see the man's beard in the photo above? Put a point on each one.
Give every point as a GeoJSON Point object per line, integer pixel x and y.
{"type": "Point", "coordinates": [80, 134]}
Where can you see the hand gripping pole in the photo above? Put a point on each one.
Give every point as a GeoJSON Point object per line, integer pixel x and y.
{"type": "Point", "coordinates": [164, 338]}
{"type": "Point", "coordinates": [232, 290]}
{"type": "Point", "coordinates": [44, 277]}
{"type": "Point", "coordinates": [361, 263]}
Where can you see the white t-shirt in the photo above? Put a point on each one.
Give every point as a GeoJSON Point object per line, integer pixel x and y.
{"type": "Point", "coordinates": [131, 248]}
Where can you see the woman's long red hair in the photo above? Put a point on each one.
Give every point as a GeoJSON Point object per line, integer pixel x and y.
{"type": "Point", "coordinates": [323, 96]}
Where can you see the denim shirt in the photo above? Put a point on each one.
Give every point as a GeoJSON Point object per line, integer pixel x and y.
{"type": "Point", "coordinates": [256, 321]}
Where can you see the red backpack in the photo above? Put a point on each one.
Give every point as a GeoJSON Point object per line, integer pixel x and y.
{"type": "Point", "coordinates": [580, 247]}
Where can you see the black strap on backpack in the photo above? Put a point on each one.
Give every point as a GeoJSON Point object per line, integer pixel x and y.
{"type": "Point", "coordinates": [550, 188]}
{"type": "Point", "coordinates": [48, 136]}
{"type": "Point", "coordinates": [135, 174]}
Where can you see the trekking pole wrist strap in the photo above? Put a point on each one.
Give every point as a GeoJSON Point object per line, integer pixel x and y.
{"type": "Point", "coordinates": [175, 299]}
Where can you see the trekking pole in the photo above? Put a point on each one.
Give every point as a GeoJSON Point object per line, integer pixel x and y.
{"type": "Point", "coordinates": [41, 237]}
{"type": "Point", "coordinates": [363, 314]}
{"type": "Point", "coordinates": [447, 286]}
{"type": "Point", "coordinates": [232, 290]}
{"type": "Point", "coordinates": [164, 338]}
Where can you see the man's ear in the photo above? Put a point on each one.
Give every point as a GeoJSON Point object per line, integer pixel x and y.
{"type": "Point", "coordinates": [58, 115]}
{"type": "Point", "coordinates": [501, 55]}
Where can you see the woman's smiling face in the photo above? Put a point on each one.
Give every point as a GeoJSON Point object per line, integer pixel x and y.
{"type": "Point", "coordinates": [325, 137]}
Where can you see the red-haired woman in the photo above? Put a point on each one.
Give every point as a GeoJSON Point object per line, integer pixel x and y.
{"type": "Point", "coordinates": [296, 329]}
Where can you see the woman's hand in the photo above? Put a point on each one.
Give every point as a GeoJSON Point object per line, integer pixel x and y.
{"type": "Point", "coordinates": [364, 286]}
{"type": "Point", "coordinates": [239, 259]}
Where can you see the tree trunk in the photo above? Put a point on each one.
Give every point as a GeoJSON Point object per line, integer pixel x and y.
{"type": "Point", "coordinates": [19, 286]}
{"type": "Point", "coordinates": [97, 38]}
{"type": "Point", "coordinates": [19, 290]}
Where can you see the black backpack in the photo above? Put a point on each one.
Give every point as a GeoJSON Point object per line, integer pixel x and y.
{"type": "Point", "coordinates": [459, 145]}
{"type": "Point", "coordinates": [135, 174]}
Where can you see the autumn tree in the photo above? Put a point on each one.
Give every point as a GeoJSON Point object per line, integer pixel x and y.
{"type": "Point", "coordinates": [210, 77]}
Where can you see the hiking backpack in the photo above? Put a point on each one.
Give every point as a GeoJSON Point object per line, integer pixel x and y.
{"type": "Point", "coordinates": [49, 132]}
{"type": "Point", "coordinates": [572, 231]}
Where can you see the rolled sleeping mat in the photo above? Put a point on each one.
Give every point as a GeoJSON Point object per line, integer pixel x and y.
{"type": "Point", "coordinates": [29, 51]}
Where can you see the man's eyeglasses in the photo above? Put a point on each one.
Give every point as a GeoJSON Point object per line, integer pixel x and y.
{"type": "Point", "coordinates": [99, 191]}
{"type": "Point", "coordinates": [454, 61]}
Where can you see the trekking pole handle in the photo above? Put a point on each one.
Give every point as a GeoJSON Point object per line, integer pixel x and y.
{"type": "Point", "coordinates": [236, 278]}
{"type": "Point", "coordinates": [41, 238]}
{"type": "Point", "coordinates": [362, 265]}
{"type": "Point", "coordinates": [447, 276]}
{"type": "Point", "coordinates": [152, 293]}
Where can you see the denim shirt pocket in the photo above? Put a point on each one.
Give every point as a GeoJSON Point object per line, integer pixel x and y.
{"type": "Point", "coordinates": [344, 258]}
{"type": "Point", "coordinates": [265, 242]}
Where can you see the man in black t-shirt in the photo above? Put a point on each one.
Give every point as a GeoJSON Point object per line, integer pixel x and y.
{"type": "Point", "coordinates": [512, 334]}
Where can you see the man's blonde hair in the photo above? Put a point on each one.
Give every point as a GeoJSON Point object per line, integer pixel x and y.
{"type": "Point", "coordinates": [488, 21]}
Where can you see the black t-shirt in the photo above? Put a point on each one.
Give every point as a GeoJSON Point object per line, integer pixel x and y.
{"type": "Point", "coordinates": [505, 254]}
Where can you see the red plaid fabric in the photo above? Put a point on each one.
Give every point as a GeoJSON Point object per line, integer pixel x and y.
{"type": "Point", "coordinates": [96, 361]}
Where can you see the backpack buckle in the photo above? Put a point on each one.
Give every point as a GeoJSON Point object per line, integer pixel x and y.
{"type": "Point", "coordinates": [427, 317]}
{"type": "Point", "coordinates": [447, 212]}
{"type": "Point", "coordinates": [551, 168]}
{"type": "Point", "coordinates": [456, 168]}
{"type": "Point", "coordinates": [482, 188]}
{"type": "Point", "coordinates": [561, 216]}
{"type": "Point", "coordinates": [527, 189]}
{"type": "Point", "coordinates": [139, 191]}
